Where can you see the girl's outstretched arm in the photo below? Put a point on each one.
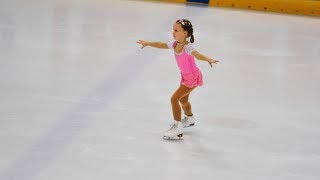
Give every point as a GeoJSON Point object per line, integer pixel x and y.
{"type": "Point", "coordinates": [160, 45]}
{"type": "Point", "coordinates": [202, 57]}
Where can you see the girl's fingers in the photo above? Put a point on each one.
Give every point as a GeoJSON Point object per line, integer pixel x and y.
{"type": "Point", "coordinates": [213, 62]}
{"type": "Point", "coordinates": [141, 42]}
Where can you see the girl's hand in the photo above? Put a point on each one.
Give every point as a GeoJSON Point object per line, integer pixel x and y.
{"type": "Point", "coordinates": [143, 43]}
{"type": "Point", "coordinates": [212, 61]}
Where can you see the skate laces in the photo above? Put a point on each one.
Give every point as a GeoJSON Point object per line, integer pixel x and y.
{"type": "Point", "coordinates": [173, 126]}
{"type": "Point", "coordinates": [185, 119]}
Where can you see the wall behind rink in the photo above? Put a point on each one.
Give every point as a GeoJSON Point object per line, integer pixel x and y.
{"type": "Point", "coordinates": [300, 7]}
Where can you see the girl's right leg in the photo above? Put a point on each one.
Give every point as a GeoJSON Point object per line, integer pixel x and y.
{"type": "Point", "coordinates": [176, 128]}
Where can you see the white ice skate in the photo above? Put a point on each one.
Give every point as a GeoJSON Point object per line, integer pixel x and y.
{"type": "Point", "coordinates": [175, 131]}
{"type": "Point", "coordinates": [188, 121]}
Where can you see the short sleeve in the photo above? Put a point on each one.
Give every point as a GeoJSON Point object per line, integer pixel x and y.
{"type": "Point", "coordinates": [189, 48]}
{"type": "Point", "coordinates": [170, 44]}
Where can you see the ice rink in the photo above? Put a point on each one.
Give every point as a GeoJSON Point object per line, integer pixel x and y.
{"type": "Point", "coordinates": [80, 100]}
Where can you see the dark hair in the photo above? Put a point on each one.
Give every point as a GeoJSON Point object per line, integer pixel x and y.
{"type": "Point", "coordinates": [187, 26]}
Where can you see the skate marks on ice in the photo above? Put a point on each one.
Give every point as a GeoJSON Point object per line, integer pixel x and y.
{"type": "Point", "coordinates": [233, 122]}
{"type": "Point", "coordinates": [66, 129]}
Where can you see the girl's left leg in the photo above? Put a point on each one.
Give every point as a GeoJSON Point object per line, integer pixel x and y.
{"type": "Point", "coordinates": [186, 106]}
{"type": "Point", "coordinates": [181, 92]}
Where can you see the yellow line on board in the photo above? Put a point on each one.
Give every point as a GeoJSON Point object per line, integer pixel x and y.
{"type": "Point", "coordinates": [300, 7]}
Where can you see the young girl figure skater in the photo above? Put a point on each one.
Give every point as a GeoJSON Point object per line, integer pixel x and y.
{"type": "Point", "coordinates": [191, 76]}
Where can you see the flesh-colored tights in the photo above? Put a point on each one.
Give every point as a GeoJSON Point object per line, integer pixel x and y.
{"type": "Point", "coordinates": [181, 95]}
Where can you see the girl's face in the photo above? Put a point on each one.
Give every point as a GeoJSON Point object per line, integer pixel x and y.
{"type": "Point", "coordinates": [178, 33]}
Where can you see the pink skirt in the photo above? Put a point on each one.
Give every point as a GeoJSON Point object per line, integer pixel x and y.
{"type": "Point", "coordinates": [192, 80]}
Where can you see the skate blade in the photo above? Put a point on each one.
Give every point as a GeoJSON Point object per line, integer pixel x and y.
{"type": "Point", "coordinates": [178, 137]}
{"type": "Point", "coordinates": [190, 125]}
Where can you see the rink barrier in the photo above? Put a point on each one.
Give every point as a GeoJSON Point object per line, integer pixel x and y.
{"type": "Point", "coordinates": [299, 7]}
{"type": "Point", "coordinates": [170, 1]}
